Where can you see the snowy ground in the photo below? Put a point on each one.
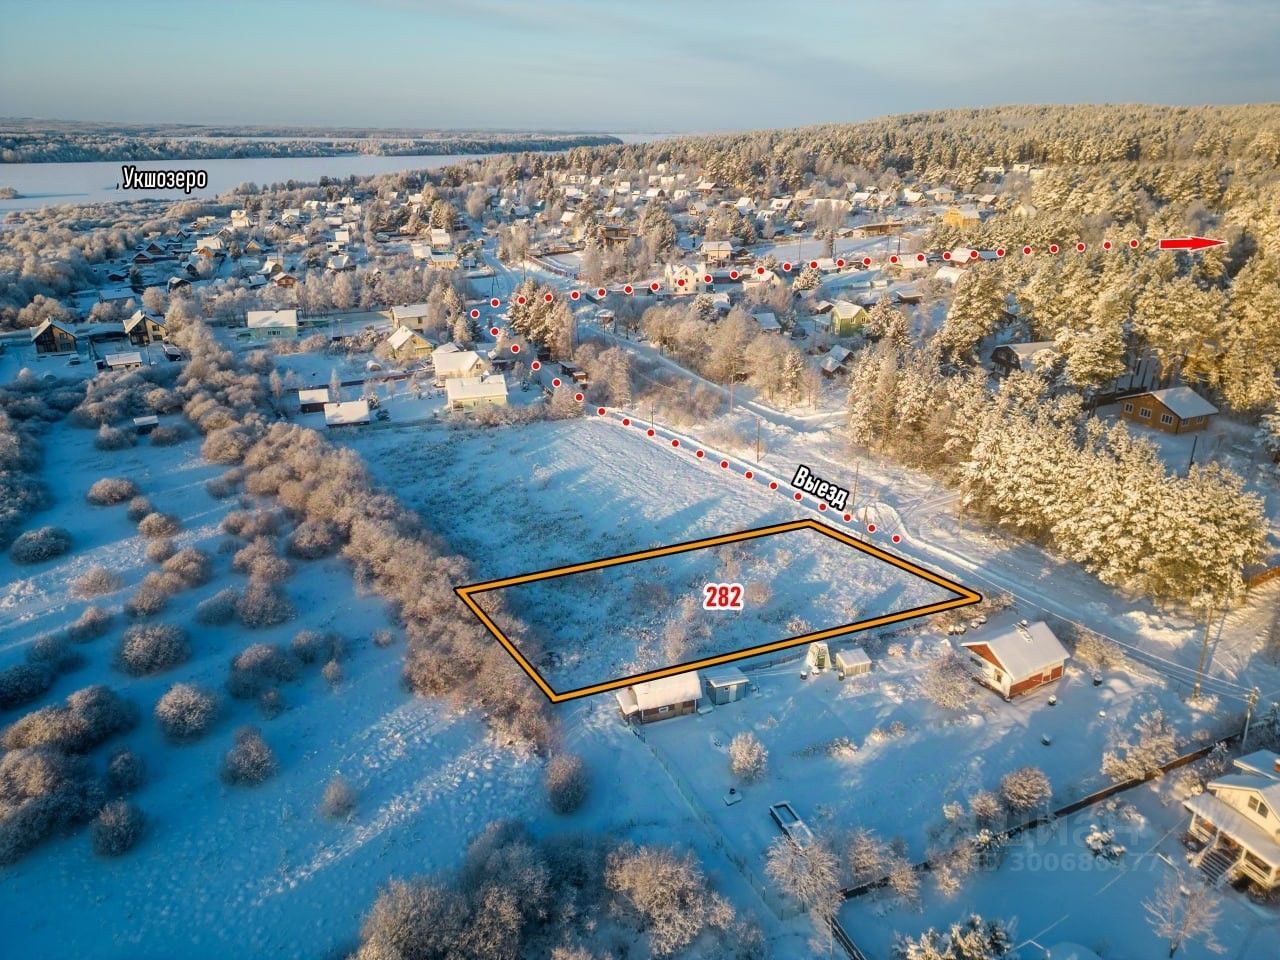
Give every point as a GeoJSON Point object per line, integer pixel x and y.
{"type": "Point", "coordinates": [1053, 889]}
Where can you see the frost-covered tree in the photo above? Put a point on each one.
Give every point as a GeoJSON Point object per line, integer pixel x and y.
{"type": "Point", "coordinates": [748, 758]}
{"type": "Point", "coordinates": [1183, 911]}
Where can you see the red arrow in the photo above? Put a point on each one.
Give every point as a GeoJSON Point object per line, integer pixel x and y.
{"type": "Point", "coordinates": [1189, 243]}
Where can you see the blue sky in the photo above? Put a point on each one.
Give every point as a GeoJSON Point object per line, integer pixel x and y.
{"type": "Point", "coordinates": [643, 65]}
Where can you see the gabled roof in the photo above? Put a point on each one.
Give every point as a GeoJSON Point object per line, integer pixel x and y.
{"type": "Point", "coordinates": [346, 412]}
{"type": "Point", "coordinates": [1185, 402]}
{"type": "Point", "coordinates": [258, 319]}
{"type": "Point", "coordinates": [402, 335]}
{"type": "Point", "coordinates": [141, 315]}
{"type": "Point", "coordinates": [476, 388]}
{"type": "Point", "coordinates": [1023, 650]}
{"type": "Point", "coordinates": [51, 323]}
{"type": "Point", "coordinates": [409, 311]}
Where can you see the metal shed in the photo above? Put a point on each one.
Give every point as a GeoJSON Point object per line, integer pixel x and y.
{"type": "Point", "coordinates": [725, 684]}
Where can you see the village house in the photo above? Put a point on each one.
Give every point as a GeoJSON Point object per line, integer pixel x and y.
{"type": "Point", "coordinates": [130, 360]}
{"type": "Point", "coordinates": [272, 324]}
{"type": "Point", "coordinates": [468, 393]}
{"type": "Point", "coordinates": [835, 362]}
{"type": "Point", "coordinates": [844, 319]}
{"type": "Point", "coordinates": [452, 361]}
{"type": "Point", "coordinates": [683, 280]}
{"type": "Point", "coordinates": [962, 218]}
{"type": "Point", "coordinates": [405, 343]}
{"type": "Point", "coordinates": [443, 260]}
{"type": "Point", "coordinates": [440, 239]}
{"type": "Point", "coordinates": [660, 699]}
{"type": "Point", "coordinates": [1174, 410]}
{"type": "Point", "coordinates": [53, 337]}
{"type": "Point", "coordinates": [717, 253]}
{"type": "Point", "coordinates": [411, 315]}
{"type": "Point", "coordinates": [1238, 818]}
{"type": "Point", "coordinates": [144, 327]}
{"type": "Point", "coordinates": [346, 413]}
{"type": "Point", "coordinates": [767, 322]}
{"type": "Point", "coordinates": [1017, 661]}
{"type": "Point", "coordinates": [312, 400]}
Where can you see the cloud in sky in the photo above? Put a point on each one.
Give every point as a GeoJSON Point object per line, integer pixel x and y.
{"type": "Point", "coordinates": [611, 64]}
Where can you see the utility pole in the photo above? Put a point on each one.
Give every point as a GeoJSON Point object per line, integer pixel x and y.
{"type": "Point", "coordinates": [1204, 649]}
{"type": "Point", "coordinates": [1252, 702]}
{"type": "Point", "coordinates": [1191, 460]}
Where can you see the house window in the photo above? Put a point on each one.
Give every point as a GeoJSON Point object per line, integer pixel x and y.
{"type": "Point", "coordinates": [1258, 807]}
{"type": "Point", "coordinates": [1128, 408]}
{"type": "Point", "coordinates": [662, 710]}
{"type": "Point", "coordinates": [1166, 419]}
{"type": "Point", "coordinates": [1144, 413]}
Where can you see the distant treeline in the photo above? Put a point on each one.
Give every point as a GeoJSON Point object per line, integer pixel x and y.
{"type": "Point", "coordinates": [25, 142]}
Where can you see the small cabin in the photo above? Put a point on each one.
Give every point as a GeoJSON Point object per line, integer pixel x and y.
{"type": "Point", "coordinates": [661, 699]}
{"type": "Point", "coordinates": [347, 413]}
{"type": "Point", "coordinates": [1175, 410]}
{"type": "Point", "coordinates": [313, 400]}
{"type": "Point", "coordinates": [1017, 661]}
{"type": "Point", "coordinates": [144, 425]}
{"type": "Point", "coordinates": [725, 685]}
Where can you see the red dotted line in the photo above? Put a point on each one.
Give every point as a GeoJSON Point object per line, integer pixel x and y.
{"type": "Point", "coordinates": [787, 267]}
{"type": "Point", "coordinates": [747, 474]}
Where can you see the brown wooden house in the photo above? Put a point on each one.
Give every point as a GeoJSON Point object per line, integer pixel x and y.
{"type": "Point", "coordinates": [1017, 661]}
{"type": "Point", "coordinates": [662, 698]}
{"type": "Point", "coordinates": [1175, 410]}
{"type": "Point", "coordinates": [52, 337]}
{"type": "Point", "coordinates": [144, 327]}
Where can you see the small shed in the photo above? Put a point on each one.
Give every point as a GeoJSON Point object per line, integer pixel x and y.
{"type": "Point", "coordinates": [852, 663]}
{"type": "Point", "coordinates": [347, 413]}
{"type": "Point", "coordinates": [725, 685]}
{"type": "Point", "coordinates": [144, 425]}
{"type": "Point", "coordinates": [313, 400]}
{"type": "Point", "coordinates": [661, 699]}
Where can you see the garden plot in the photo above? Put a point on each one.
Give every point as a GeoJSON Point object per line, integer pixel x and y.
{"type": "Point", "coordinates": [1052, 889]}
{"type": "Point", "coordinates": [873, 752]}
{"type": "Point", "coordinates": [594, 626]}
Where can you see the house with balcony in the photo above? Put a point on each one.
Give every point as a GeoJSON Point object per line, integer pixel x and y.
{"type": "Point", "coordinates": [1238, 820]}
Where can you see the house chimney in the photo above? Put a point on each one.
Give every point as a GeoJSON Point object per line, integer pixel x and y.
{"type": "Point", "coordinates": [1276, 764]}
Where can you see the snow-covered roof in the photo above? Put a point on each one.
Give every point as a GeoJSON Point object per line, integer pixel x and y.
{"type": "Point", "coordinates": [1270, 789]}
{"type": "Point", "coordinates": [852, 657]}
{"type": "Point", "coordinates": [402, 335]}
{"type": "Point", "coordinates": [1023, 650]}
{"type": "Point", "coordinates": [949, 274]}
{"type": "Point", "coordinates": [1025, 351]}
{"type": "Point", "coordinates": [454, 360]}
{"type": "Point", "coordinates": [258, 319]}
{"type": "Point", "coordinates": [314, 395]}
{"type": "Point", "coordinates": [51, 323]}
{"type": "Point", "coordinates": [663, 692]}
{"type": "Point", "coordinates": [148, 420]}
{"type": "Point", "coordinates": [768, 322]}
{"type": "Point", "coordinates": [130, 359]}
{"type": "Point", "coordinates": [1185, 402]}
{"type": "Point", "coordinates": [140, 315]}
{"type": "Point", "coordinates": [1263, 763]}
{"type": "Point", "coordinates": [409, 311]}
{"type": "Point", "coordinates": [1235, 825]}
{"type": "Point", "coordinates": [476, 388]}
{"type": "Point", "coordinates": [345, 413]}
{"type": "Point", "coordinates": [726, 676]}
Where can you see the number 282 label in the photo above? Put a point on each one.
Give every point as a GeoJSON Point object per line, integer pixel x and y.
{"type": "Point", "coordinates": [722, 596]}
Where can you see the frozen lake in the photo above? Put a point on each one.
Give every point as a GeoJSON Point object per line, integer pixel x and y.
{"type": "Point", "coordinates": [48, 184]}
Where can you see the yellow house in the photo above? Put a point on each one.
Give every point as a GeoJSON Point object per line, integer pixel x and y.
{"type": "Point", "coordinates": [405, 342]}
{"type": "Point", "coordinates": [962, 218]}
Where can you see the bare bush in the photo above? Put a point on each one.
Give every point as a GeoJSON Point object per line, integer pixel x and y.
{"type": "Point", "coordinates": [808, 873]}
{"type": "Point", "coordinates": [258, 668]}
{"type": "Point", "coordinates": [23, 682]}
{"type": "Point", "coordinates": [153, 594]}
{"type": "Point", "coordinates": [190, 565]}
{"type": "Point", "coordinates": [223, 485]}
{"type": "Point", "coordinates": [126, 772]}
{"type": "Point", "coordinates": [947, 683]}
{"type": "Point", "coordinates": [111, 490]}
{"type": "Point", "coordinates": [985, 808]}
{"type": "Point", "coordinates": [168, 435]}
{"type": "Point", "coordinates": [250, 761]}
{"type": "Point", "coordinates": [112, 438]}
{"type": "Point", "coordinates": [87, 718]}
{"type": "Point", "coordinates": [158, 551]}
{"type": "Point", "coordinates": [138, 508]}
{"type": "Point", "coordinates": [263, 605]}
{"type": "Point", "coordinates": [37, 546]}
{"type": "Point", "coordinates": [748, 758]}
{"type": "Point", "coordinates": [1142, 756]}
{"type": "Point", "coordinates": [664, 893]}
{"type": "Point", "coordinates": [867, 857]}
{"type": "Point", "coordinates": [95, 582]}
{"type": "Point", "coordinates": [41, 791]}
{"type": "Point", "coordinates": [152, 648]}
{"type": "Point", "coordinates": [253, 524]}
{"type": "Point", "coordinates": [313, 539]}
{"type": "Point", "coordinates": [567, 783]}
{"type": "Point", "coordinates": [218, 610]}
{"type": "Point", "coordinates": [226, 445]}
{"type": "Point", "coordinates": [156, 525]}
{"type": "Point", "coordinates": [186, 712]}
{"type": "Point", "coordinates": [91, 624]}
{"type": "Point", "coordinates": [332, 673]}
{"type": "Point", "coordinates": [54, 651]}
{"type": "Point", "coordinates": [1026, 788]}
{"type": "Point", "coordinates": [271, 703]}
{"type": "Point", "coordinates": [118, 829]}
{"type": "Point", "coordinates": [339, 800]}
{"type": "Point", "coordinates": [312, 646]}
{"type": "Point", "coordinates": [382, 637]}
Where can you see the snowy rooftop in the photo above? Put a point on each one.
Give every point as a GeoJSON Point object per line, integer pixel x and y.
{"type": "Point", "coordinates": [454, 360]}
{"type": "Point", "coordinates": [663, 692]}
{"type": "Point", "coordinates": [476, 388]}
{"type": "Point", "coordinates": [402, 335]}
{"type": "Point", "coordinates": [1024, 650]}
{"type": "Point", "coordinates": [345, 413]}
{"type": "Point", "coordinates": [1185, 402]}
{"type": "Point", "coordinates": [271, 318]}
{"type": "Point", "coordinates": [1263, 763]}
